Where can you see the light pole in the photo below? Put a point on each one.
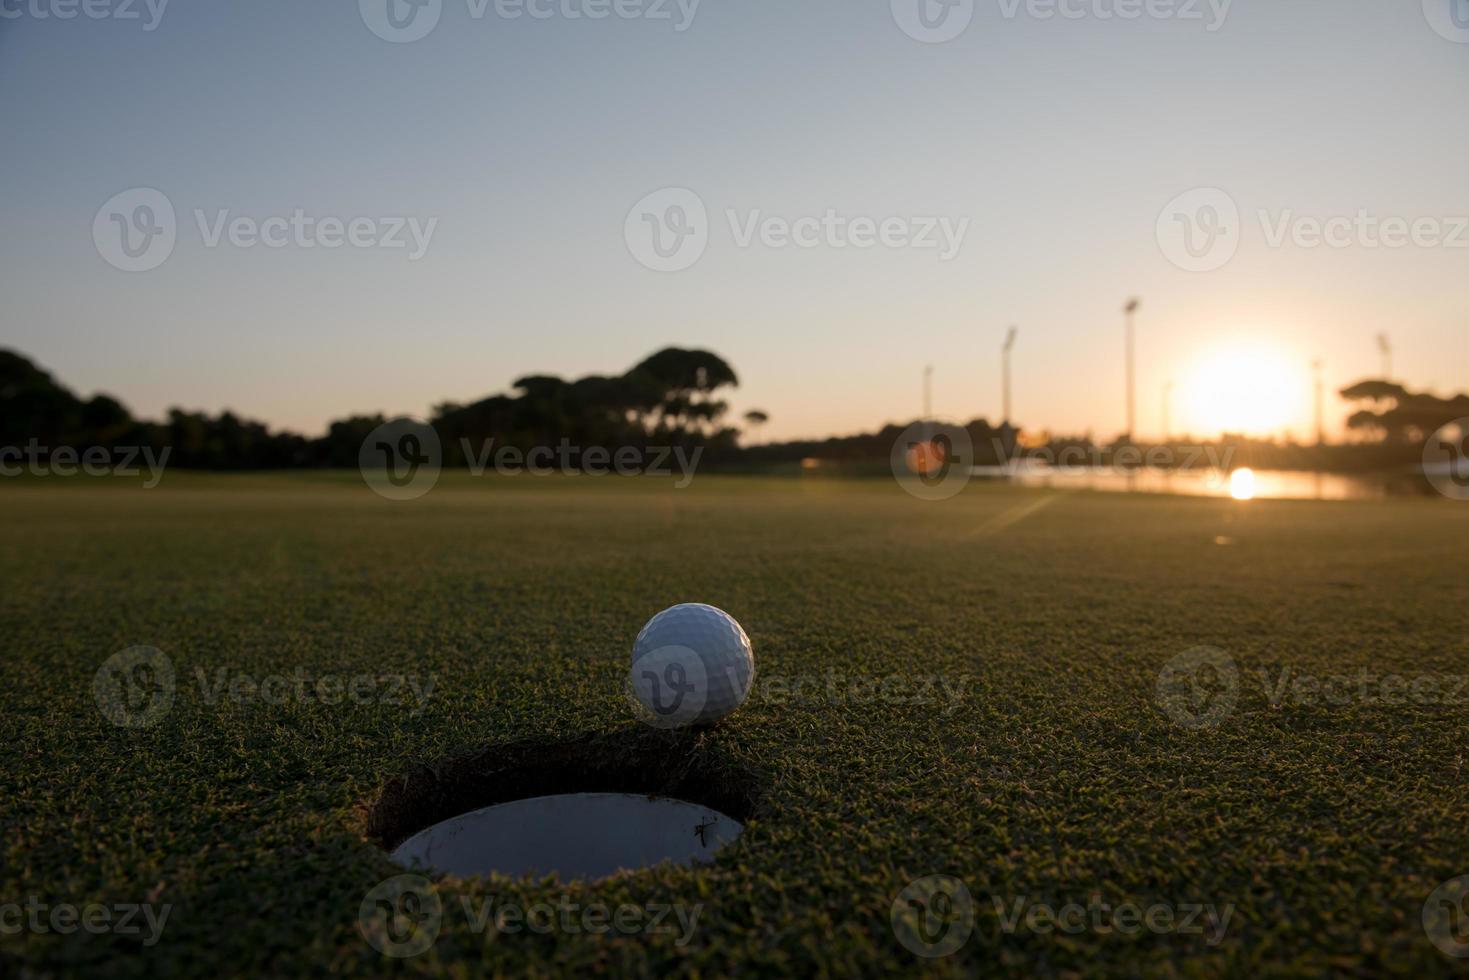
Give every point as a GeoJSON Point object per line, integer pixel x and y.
{"type": "Point", "coordinates": [1320, 403]}
{"type": "Point", "coordinates": [1384, 346]}
{"type": "Point", "coordinates": [928, 393]}
{"type": "Point", "coordinates": [1130, 309]}
{"type": "Point", "coordinates": [1168, 411]}
{"type": "Point", "coordinates": [1005, 369]}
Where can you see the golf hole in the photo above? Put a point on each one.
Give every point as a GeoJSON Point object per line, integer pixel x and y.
{"type": "Point", "coordinates": [586, 809]}
{"type": "Point", "coordinates": [572, 835]}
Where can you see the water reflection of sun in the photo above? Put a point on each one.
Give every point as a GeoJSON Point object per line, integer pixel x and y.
{"type": "Point", "coordinates": [1242, 484]}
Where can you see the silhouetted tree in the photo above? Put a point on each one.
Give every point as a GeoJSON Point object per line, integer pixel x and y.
{"type": "Point", "coordinates": [755, 418]}
{"type": "Point", "coordinates": [34, 406]}
{"type": "Point", "coordinates": [689, 379]}
{"type": "Point", "coordinates": [1402, 415]}
{"type": "Point", "coordinates": [343, 440]}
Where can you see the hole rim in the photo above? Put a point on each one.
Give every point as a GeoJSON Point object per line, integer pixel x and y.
{"type": "Point", "coordinates": [684, 764]}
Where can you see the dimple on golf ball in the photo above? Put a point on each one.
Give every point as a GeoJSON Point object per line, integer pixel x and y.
{"type": "Point", "coordinates": [691, 665]}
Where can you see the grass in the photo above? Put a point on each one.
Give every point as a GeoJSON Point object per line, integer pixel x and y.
{"type": "Point", "coordinates": [1038, 767]}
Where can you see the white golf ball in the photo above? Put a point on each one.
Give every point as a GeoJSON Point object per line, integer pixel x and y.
{"type": "Point", "coordinates": [691, 665]}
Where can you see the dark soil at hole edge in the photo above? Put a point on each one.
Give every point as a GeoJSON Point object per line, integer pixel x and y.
{"type": "Point", "coordinates": [686, 764]}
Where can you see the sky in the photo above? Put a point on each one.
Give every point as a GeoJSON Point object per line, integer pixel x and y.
{"type": "Point", "coordinates": [949, 172]}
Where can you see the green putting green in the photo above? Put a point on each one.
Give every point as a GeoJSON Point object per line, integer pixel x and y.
{"type": "Point", "coordinates": [1004, 688]}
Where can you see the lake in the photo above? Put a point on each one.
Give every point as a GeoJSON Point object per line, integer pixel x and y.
{"type": "Point", "coordinates": [1241, 483]}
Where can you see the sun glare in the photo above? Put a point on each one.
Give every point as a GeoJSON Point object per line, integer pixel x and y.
{"type": "Point", "coordinates": [1252, 389]}
{"type": "Point", "coordinates": [1242, 484]}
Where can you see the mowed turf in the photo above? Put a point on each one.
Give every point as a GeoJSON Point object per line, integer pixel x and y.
{"type": "Point", "coordinates": [1037, 766]}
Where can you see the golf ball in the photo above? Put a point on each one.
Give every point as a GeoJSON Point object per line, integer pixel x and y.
{"type": "Point", "coordinates": [691, 665]}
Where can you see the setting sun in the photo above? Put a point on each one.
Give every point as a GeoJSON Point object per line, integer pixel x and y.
{"type": "Point", "coordinates": [1249, 388]}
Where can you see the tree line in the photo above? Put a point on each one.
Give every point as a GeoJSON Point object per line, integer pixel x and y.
{"type": "Point", "coordinates": [669, 398]}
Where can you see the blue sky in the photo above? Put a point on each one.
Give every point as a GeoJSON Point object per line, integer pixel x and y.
{"type": "Point", "coordinates": [1057, 140]}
